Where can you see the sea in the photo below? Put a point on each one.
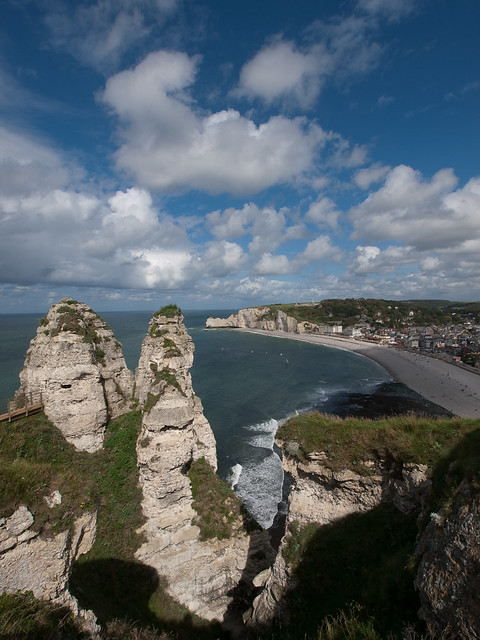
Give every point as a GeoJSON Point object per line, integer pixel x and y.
{"type": "Point", "coordinates": [248, 384]}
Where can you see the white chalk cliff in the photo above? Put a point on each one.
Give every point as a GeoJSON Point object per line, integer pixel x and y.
{"type": "Point", "coordinates": [76, 365]}
{"type": "Point", "coordinates": [256, 318]}
{"type": "Point", "coordinates": [201, 573]}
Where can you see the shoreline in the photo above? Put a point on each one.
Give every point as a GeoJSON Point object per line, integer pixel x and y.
{"type": "Point", "coordinates": [455, 389]}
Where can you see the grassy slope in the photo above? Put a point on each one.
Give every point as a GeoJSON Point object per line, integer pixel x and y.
{"type": "Point", "coordinates": [34, 460]}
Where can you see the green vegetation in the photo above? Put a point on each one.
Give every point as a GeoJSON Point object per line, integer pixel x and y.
{"type": "Point", "coordinates": [22, 617]}
{"type": "Point", "coordinates": [167, 376]}
{"type": "Point", "coordinates": [388, 313]}
{"type": "Point", "coordinates": [151, 401]}
{"type": "Point", "coordinates": [155, 332]}
{"type": "Point", "coordinates": [353, 578]}
{"type": "Point", "coordinates": [350, 441]}
{"type": "Point", "coordinates": [108, 579]}
{"type": "Point", "coordinates": [35, 459]}
{"type": "Point", "coordinates": [168, 311]}
{"type": "Point", "coordinates": [73, 321]}
{"type": "Point", "coordinates": [120, 513]}
{"type": "Point", "coordinates": [220, 512]}
{"type": "Point", "coordinates": [172, 351]}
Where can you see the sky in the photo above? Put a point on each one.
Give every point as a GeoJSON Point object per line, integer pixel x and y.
{"type": "Point", "coordinates": [223, 154]}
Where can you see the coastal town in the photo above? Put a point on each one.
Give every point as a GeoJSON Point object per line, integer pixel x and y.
{"type": "Point", "coordinates": [440, 332]}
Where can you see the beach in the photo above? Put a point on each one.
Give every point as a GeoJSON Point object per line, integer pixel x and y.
{"type": "Point", "coordinates": [454, 388]}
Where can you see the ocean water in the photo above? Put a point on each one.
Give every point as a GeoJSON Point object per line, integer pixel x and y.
{"type": "Point", "coordinates": [248, 384]}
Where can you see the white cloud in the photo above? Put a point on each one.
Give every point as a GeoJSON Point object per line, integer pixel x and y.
{"type": "Point", "coordinates": [232, 223]}
{"type": "Point", "coordinates": [343, 154]}
{"type": "Point", "coordinates": [365, 177]}
{"type": "Point", "coordinates": [272, 265]}
{"type": "Point", "coordinates": [371, 259]}
{"type": "Point", "coordinates": [430, 263]}
{"type": "Point", "coordinates": [27, 164]}
{"type": "Point", "coordinates": [425, 214]}
{"type": "Point", "coordinates": [320, 249]}
{"type": "Point", "coordinates": [279, 70]}
{"type": "Point", "coordinates": [323, 212]}
{"type": "Point", "coordinates": [342, 49]}
{"type": "Point", "coordinates": [220, 259]}
{"type": "Point", "coordinates": [168, 146]}
{"type": "Point", "coordinates": [268, 231]}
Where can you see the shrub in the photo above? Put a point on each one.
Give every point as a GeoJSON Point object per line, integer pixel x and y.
{"type": "Point", "coordinates": [169, 311]}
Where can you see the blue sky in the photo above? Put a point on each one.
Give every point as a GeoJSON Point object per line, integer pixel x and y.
{"type": "Point", "coordinates": [227, 154]}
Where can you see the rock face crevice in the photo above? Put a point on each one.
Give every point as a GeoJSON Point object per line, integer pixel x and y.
{"type": "Point", "coordinates": [77, 367]}
{"type": "Point", "coordinates": [201, 574]}
{"type": "Point", "coordinates": [322, 496]}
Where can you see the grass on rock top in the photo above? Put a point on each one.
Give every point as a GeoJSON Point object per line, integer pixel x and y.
{"type": "Point", "coordinates": [347, 442]}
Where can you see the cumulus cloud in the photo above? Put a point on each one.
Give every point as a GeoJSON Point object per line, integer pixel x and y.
{"type": "Point", "coordinates": [323, 212]}
{"type": "Point", "coordinates": [232, 223]}
{"type": "Point", "coordinates": [371, 259]}
{"type": "Point", "coordinates": [427, 214]}
{"type": "Point", "coordinates": [341, 49]}
{"type": "Point", "coordinates": [167, 145]}
{"type": "Point", "coordinates": [280, 70]}
{"type": "Point", "coordinates": [61, 232]}
{"type": "Point", "coordinates": [220, 259]}
{"type": "Point", "coordinates": [363, 178]}
{"type": "Point", "coordinates": [272, 265]}
{"type": "Point", "coordinates": [320, 249]}
{"type": "Point", "coordinates": [27, 164]}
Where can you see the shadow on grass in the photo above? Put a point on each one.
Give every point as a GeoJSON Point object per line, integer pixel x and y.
{"type": "Point", "coordinates": [118, 589]}
{"type": "Point", "coordinates": [363, 561]}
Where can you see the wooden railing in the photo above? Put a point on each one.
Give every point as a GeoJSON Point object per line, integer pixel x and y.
{"type": "Point", "coordinates": [32, 403]}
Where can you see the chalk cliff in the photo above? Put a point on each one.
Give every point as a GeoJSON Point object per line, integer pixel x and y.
{"type": "Point", "coordinates": [201, 574]}
{"type": "Point", "coordinates": [322, 496]}
{"type": "Point", "coordinates": [256, 318]}
{"type": "Point", "coordinates": [30, 562]}
{"type": "Point", "coordinates": [76, 365]}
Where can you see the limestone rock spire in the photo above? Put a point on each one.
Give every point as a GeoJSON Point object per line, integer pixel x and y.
{"type": "Point", "coordinates": [77, 366]}
{"type": "Point", "coordinates": [200, 573]}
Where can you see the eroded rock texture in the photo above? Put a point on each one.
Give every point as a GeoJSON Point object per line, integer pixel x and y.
{"type": "Point", "coordinates": [322, 496]}
{"type": "Point", "coordinates": [448, 576]}
{"type": "Point", "coordinates": [30, 562]}
{"type": "Point", "coordinates": [77, 367]}
{"type": "Point", "coordinates": [201, 574]}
